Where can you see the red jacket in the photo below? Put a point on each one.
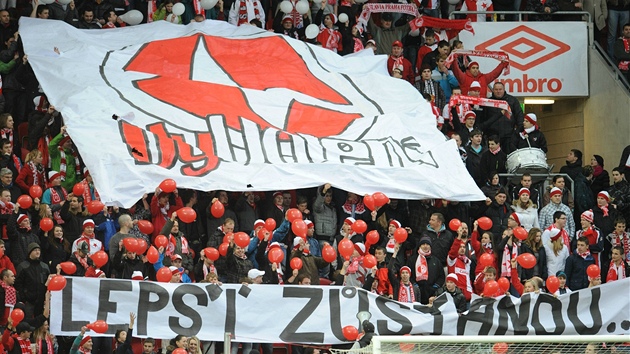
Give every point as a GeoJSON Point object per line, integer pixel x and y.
{"type": "Point", "coordinates": [156, 214]}
{"type": "Point", "coordinates": [26, 178]}
{"type": "Point", "coordinates": [476, 245]}
{"type": "Point", "coordinates": [407, 74]}
{"type": "Point", "coordinates": [465, 79]}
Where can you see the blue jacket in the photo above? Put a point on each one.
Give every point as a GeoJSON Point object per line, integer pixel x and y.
{"type": "Point", "coordinates": [575, 268]}
{"type": "Point", "coordinates": [278, 234]}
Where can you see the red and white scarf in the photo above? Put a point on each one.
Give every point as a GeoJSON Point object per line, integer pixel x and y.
{"type": "Point", "coordinates": [402, 293]}
{"type": "Point", "coordinates": [624, 65]}
{"type": "Point", "coordinates": [527, 131]}
{"type": "Point", "coordinates": [243, 18]}
{"type": "Point", "coordinates": [329, 38]}
{"type": "Point", "coordinates": [506, 266]}
{"type": "Point", "coordinates": [298, 20]}
{"type": "Point", "coordinates": [453, 26]}
{"type": "Point", "coordinates": [359, 208]}
{"type": "Point", "coordinates": [358, 45]}
{"type": "Point", "coordinates": [604, 209]}
{"type": "Point", "coordinates": [422, 268]}
{"type": "Point", "coordinates": [56, 198]}
{"type": "Point", "coordinates": [49, 345]}
{"type": "Point", "coordinates": [82, 260]}
{"type": "Point", "coordinates": [198, 9]}
{"type": "Point", "coordinates": [151, 9]}
{"type": "Point", "coordinates": [208, 270]}
{"type": "Point", "coordinates": [370, 8]}
{"type": "Point", "coordinates": [173, 243]}
{"type": "Point", "coordinates": [495, 151]}
{"type": "Point", "coordinates": [7, 133]}
{"type": "Point", "coordinates": [397, 62]}
{"type": "Point", "coordinates": [87, 192]}
{"type": "Point", "coordinates": [480, 101]}
{"type": "Point", "coordinates": [63, 162]}
{"type": "Point", "coordinates": [10, 297]}
{"type": "Point", "coordinates": [498, 55]}
{"type": "Point", "coordinates": [355, 262]}
{"type": "Point", "coordinates": [25, 345]}
{"type": "Point", "coordinates": [621, 240]}
{"type": "Point", "coordinates": [39, 177]}
{"type": "Point", "coordinates": [391, 244]}
{"type": "Point", "coordinates": [280, 274]}
{"type": "Point", "coordinates": [42, 145]}
{"type": "Point", "coordinates": [616, 272]}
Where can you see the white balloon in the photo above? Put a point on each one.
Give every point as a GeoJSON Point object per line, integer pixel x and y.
{"type": "Point", "coordinates": [302, 7]}
{"type": "Point", "coordinates": [64, 2]}
{"type": "Point", "coordinates": [46, 2]}
{"type": "Point", "coordinates": [286, 6]}
{"type": "Point", "coordinates": [172, 18]}
{"type": "Point", "coordinates": [311, 31]}
{"type": "Point", "coordinates": [343, 18]}
{"type": "Point", "coordinates": [133, 17]}
{"type": "Point", "coordinates": [208, 4]}
{"type": "Point", "coordinates": [179, 9]}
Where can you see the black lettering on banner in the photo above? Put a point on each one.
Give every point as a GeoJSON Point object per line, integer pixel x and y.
{"type": "Point", "coordinates": [214, 291]}
{"type": "Point", "coordinates": [364, 304]}
{"type": "Point", "coordinates": [105, 306]}
{"type": "Point", "coordinates": [596, 315]}
{"type": "Point", "coordinates": [506, 308]}
{"type": "Point", "coordinates": [481, 311]}
{"type": "Point", "coordinates": [67, 324]}
{"type": "Point", "coordinates": [381, 304]}
{"type": "Point", "coordinates": [289, 334]}
{"type": "Point", "coordinates": [335, 310]}
{"type": "Point", "coordinates": [181, 307]}
{"type": "Point", "coordinates": [438, 319]}
{"type": "Point", "coordinates": [230, 311]}
{"type": "Point", "coordinates": [145, 305]}
{"type": "Point", "coordinates": [556, 315]}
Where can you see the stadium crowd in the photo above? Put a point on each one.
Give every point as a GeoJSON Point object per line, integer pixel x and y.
{"type": "Point", "coordinates": [565, 232]}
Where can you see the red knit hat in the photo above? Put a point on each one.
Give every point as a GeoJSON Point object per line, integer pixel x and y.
{"type": "Point", "coordinates": [21, 218]}
{"type": "Point", "coordinates": [395, 223]}
{"type": "Point", "coordinates": [349, 220]}
{"type": "Point", "coordinates": [555, 233]}
{"type": "Point", "coordinates": [405, 268]}
{"type": "Point", "coordinates": [605, 195]}
{"type": "Point", "coordinates": [523, 191]}
{"type": "Point", "coordinates": [360, 247]}
{"type": "Point", "coordinates": [555, 191]}
{"type": "Point", "coordinates": [531, 117]}
{"type": "Point", "coordinates": [88, 222]}
{"type": "Point", "coordinates": [309, 224]}
{"type": "Point", "coordinates": [84, 340]}
{"type": "Point", "coordinates": [515, 217]}
{"type": "Point", "coordinates": [588, 216]}
{"type": "Point", "coordinates": [473, 63]}
{"type": "Point", "coordinates": [333, 18]}
{"type": "Point", "coordinates": [259, 222]}
{"type": "Point", "coordinates": [470, 114]}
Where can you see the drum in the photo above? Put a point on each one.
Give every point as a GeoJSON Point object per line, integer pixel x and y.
{"type": "Point", "coordinates": [528, 160]}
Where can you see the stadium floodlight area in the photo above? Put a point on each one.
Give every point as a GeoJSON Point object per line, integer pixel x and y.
{"type": "Point", "coordinates": [570, 344]}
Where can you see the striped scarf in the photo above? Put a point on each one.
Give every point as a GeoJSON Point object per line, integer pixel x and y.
{"type": "Point", "coordinates": [25, 345]}
{"type": "Point", "coordinates": [7, 133]}
{"type": "Point", "coordinates": [243, 18]}
{"type": "Point", "coordinates": [63, 162]}
{"type": "Point", "coordinates": [49, 346]}
{"type": "Point", "coordinates": [402, 293]}
{"type": "Point", "coordinates": [10, 297]}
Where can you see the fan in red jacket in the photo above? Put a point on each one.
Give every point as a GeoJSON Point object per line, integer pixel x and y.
{"type": "Point", "coordinates": [458, 263]}
{"type": "Point", "coordinates": [473, 74]}
{"type": "Point", "coordinates": [396, 60]}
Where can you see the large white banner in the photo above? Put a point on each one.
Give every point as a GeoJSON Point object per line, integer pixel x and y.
{"type": "Point", "coordinates": [547, 59]}
{"type": "Point", "coordinates": [215, 106]}
{"type": "Point", "coordinates": [300, 314]}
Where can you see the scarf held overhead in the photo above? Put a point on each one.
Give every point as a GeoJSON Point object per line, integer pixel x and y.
{"type": "Point", "coordinates": [452, 25]}
{"type": "Point", "coordinates": [368, 9]}
{"type": "Point", "coordinates": [498, 55]}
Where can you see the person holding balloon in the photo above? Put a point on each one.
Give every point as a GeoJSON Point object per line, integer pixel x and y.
{"type": "Point", "coordinates": [82, 344]}
{"type": "Point", "coordinates": [81, 260]}
{"type": "Point", "coordinates": [509, 247]}
{"type": "Point", "coordinates": [21, 234]}
{"type": "Point", "coordinates": [18, 342]}
{"type": "Point", "coordinates": [177, 243]}
{"type": "Point", "coordinates": [165, 12]}
{"type": "Point", "coordinates": [88, 236]}
{"type": "Point", "coordinates": [127, 262]}
{"type": "Point", "coordinates": [483, 247]}
{"type": "Point", "coordinates": [459, 264]}
{"type": "Point", "coordinates": [237, 263]}
{"type": "Point", "coordinates": [451, 287]}
{"type": "Point", "coordinates": [577, 264]}
{"type": "Point", "coordinates": [161, 209]}
{"type": "Point", "coordinates": [33, 173]}
{"type": "Point", "coordinates": [31, 281]}
{"type": "Point", "coordinates": [310, 264]}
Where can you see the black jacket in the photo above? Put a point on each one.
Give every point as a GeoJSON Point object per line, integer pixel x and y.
{"type": "Point", "coordinates": [29, 282]}
{"type": "Point", "coordinates": [536, 140]}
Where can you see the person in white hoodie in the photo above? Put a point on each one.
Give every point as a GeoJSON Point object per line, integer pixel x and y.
{"type": "Point", "coordinates": [527, 211]}
{"type": "Point", "coordinates": [555, 250]}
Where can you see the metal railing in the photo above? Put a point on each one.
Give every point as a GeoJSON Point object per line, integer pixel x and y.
{"type": "Point", "coordinates": [521, 13]}
{"type": "Point", "coordinates": [616, 74]}
{"type": "Point", "coordinates": [546, 178]}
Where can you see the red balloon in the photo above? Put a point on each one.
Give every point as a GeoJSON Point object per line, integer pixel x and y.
{"type": "Point", "coordinates": [486, 260]}
{"type": "Point", "coordinates": [187, 214]}
{"type": "Point", "coordinates": [179, 351]}
{"type": "Point", "coordinates": [160, 241]}
{"type": "Point", "coordinates": [345, 248]}
{"type": "Point", "coordinates": [241, 239]}
{"type": "Point", "coordinates": [217, 209]}
{"type": "Point", "coordinates": [227, 238]}
{"type": "Point", "coordinates": [68, 267]}
{"type": "Point", "coordinates": [168, 185]}
{"type": "Point", "coordinates": [98, 326]}
{"type": "Point", "coordinates": [400, 235]}
{"type": "Point", "coordinates": [359, 226]}
{"type": "Point", "coordinates": [368, 201]}
{"type": "Point", "coordinates": [78, 189]}
{"type": "Point", "coordinates": [350, 333]}
{"type": "Point", "coordinates": [35, 191]}
{"type": "Point", "coordinates": [329, 254]}
{"type": "Point", "coordinates": [491, 288]}
{"type": "Point", "coordinates": [520, 233]}
{"type": "Point", "coordinates": [526, 260]}
{"type": "Point", "coordinates": [223, 248]}
{"type": "Point", "coordinates": [270, 224]}
{"type": "Point", "coordinates": [153, 255]}
{"type": "Point", "coordinates": [145, 226]}
{"type": "Point", "coordinates": [56, 283]}
{"type": "Point", "coordinates": [593, 271]}
{"type": "Point", "coordinates": [299, 228]}
{"type": "Point", "coordinates": [142, 246]}
{"type": "Point", "coordinates": [275, 255]}
{"type": "Point", "coordinates": [25, 201]}
{"type": "Point", "coordinates": [294, 214]}
{"type": "Point", "coordinates": [100, 258]}
{"type": "Point", "coordinates": [211, 253]}
{"type": "Point", "coordinates": [369, 261]}
{"type": "Point", "coordinates": [455, 224]}
{"type": "Point", "coordinates": [17, 315]}
{"type": "Point", "coordinates": [262, 233]}
{"type": "Point", "coordinates": [164, 275]}
{"type": "Point", "coordinates": [485, 223]}
{"type": "Point", "coordinates": [95, 207]}
{"type": "Point", "coordinates": [553, 284]}
{"type": "Point", "coordinates": [372, 237]}
{"type": "Point", "coordinates": [380, 199]}
{"type": "Point", "coordinates": [500, 348]}
{"type": "Point", "coordinates": [504, 284]}
{"type": "Point", "coordinates": [46, 224]}
{"type": "Point", "coordinates": [131, 244]}
{"type": "Point", "coordinates": [296, 263]}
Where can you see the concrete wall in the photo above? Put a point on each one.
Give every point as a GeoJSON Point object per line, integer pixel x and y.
{"type": "Point", "coordinates": [597, 125]}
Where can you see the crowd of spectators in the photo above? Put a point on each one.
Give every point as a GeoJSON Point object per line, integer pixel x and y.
{"type": "Point", "coordinates": [566, 231]}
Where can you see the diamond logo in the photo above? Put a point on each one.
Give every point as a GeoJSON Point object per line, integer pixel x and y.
{"type": "Point", "coordinates": [526, 47]}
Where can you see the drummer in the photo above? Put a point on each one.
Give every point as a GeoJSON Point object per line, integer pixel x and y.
{"type": "Point", "coordinates": [530, 136]}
